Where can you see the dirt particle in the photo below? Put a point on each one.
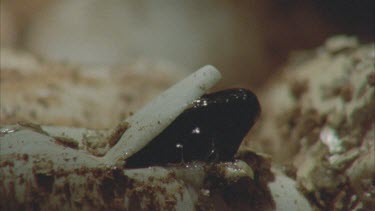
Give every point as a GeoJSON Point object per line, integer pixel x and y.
{"type": "Point", "coordinates": [22, 179]}
{"type": "Point", "coordinates": [81, 171]}
{"type": "Point", "coordinates": [25, 157]}
{"type": "Point", "coordinates": [66, 142]}
{"type": "Point", "coordinates": [7, 163]}
{"type": "Point", "coordinates": [35, 127]}
{"type": "Point", "coordinates": [116, 135]}
{"type": "Point", "coordinates": [371, 79]}
{"type": "Point", "coordinates": [97, 173]}
{"type": "Point", "coordinates": [298, 88]}
{"type": "Point", "coordinates": [151, 179]}
{"type": "Point", "coordinates": [346, 93]}
{"type": "Point", "coordinates": [43, 101]}
{"type": "Point", "coordinates": [127, 97]}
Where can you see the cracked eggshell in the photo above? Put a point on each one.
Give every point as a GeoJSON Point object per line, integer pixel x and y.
{"type": "Point", "coordinates": [55, 168]}
{"type": "Point", "coordinates": [65, 177]}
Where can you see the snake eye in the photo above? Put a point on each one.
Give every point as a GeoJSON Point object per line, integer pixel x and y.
{"type": "Point", "coordinates": [211, 130]}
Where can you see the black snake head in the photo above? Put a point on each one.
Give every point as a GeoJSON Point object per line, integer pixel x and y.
{"type": "Point", "coordinates": [211, 130]}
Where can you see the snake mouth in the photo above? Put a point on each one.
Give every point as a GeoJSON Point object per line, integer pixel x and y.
{"type": "Point", "coordinates": [210, 130]}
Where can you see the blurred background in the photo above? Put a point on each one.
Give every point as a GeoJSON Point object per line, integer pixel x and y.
{"type": "Point", "coordinates": [247, 40]}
